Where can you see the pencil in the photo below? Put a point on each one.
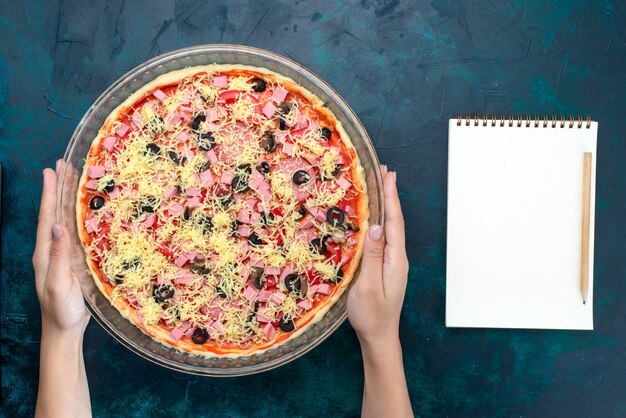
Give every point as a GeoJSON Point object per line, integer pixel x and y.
{"type": "Point", "coordinates": [584, 254]}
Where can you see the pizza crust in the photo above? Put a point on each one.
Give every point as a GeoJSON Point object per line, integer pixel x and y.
{"type": "Point", "coordinates": [303, 323]}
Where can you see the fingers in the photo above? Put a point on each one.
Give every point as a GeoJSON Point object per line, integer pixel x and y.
{"type": "Point", "coordinates": [394, 221]}
{"type": "Point", "coordinates": [396, 262]}
{"type": "Point", "coordinates": [67, 175]}
{"type": "Point", "coordinates": [392, 208]}
{"type": "Point", "coordinates": [372, 260]}
{"type": "Point", "coordinates": [47, 218]}
{"type": "Point", "coordinates": [59, 269]}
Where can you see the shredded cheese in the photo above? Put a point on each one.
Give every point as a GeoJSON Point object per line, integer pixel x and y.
{"type": "Point", "coordinates": [169, 229]}
{"type": "Point", "coordinates": [329, 162]}
{"type": "Point", "coordinates": [240, 83]}
{"type": "Point", "coordinates": [326, 270]}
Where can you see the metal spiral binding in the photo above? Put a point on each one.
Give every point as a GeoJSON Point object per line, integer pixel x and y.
{"type": "Point", "coordinates": [524, 120]}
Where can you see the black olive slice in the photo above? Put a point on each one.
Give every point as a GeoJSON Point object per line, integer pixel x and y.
{"type": "Point", "coordinates": [220, 291]}
{"type": "Point", "coordinates": [206, 141]}
{"type": "Point", "coordinates": [268, 142]}
{"type": "Point", "coordinates": [285, 107]}
{"type": "Point", "coordinates": [109, 186]}
{"type": "Point", "coordinates": [149, 205]}
{"type": "Point", "coordinates": [325, 133]}
{"type": "Point", "coordinates": [256, 275]}
{"type": "Point", "coordinates": [293, 282]}
{"type": "Point", "coordinates": [206, 223]}
{"type": "Point", "coordinates": [187, 213]}
{"type": "Point", "coordinates": [234, 226]}
{"type": "Point", "coordinates": [335, 216]}
{"type": "Point", "coordinates": [96, 202]}
{"type": "Point", "coordinates": [264, 167]}
{"type": "Point", "coordinates": [197, 121]}
{"type": "Point", "coordinates": [246, 168]}
{"type": "Point", "coordinates": [258, 84]}
{"type": "Point", "coordinates": [153, 149]}
{"type": "Point", "coordinates": [251, 316]}
{"type": "Point", "coordinates": [286, 325]}
{"type": "Point", "coordinates": [266, 218]}
{"type": "Point", "coordinates": [254, 239]}
{"type": "Point", "coordinates": [302, 210]}
{"type": "Point", "coordinates": [240, 184]}
{"type": "Point", "coordinates": [176, 159]}
{"type": "Point", "coordinates": [199, 336]}
{"type": "Point", "coordinates": [163, 293]}
{"type": "Point", "coordinates": [224, 197]}
{"type": "Point", "coordinates": [350, 226]}
{"type": "Point", "coordinates": [333, 174]}
{"type": "Point", "coordinates": [318, 246]}
{"type": "Point", "coordinates": [199, 268]}
{"type": "Point", "coordinates": [176, 310]}
{"type": "Point", "coordinates": [134, 264]}
{"type": "Point", "coordinates": [301, 177]}
{"type": "Point", "coordinates": [339, 275]}
{"type": "Point", "coordinates": [204, 167]}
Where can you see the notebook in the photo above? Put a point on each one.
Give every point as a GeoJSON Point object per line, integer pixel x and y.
{"type": "Point", "coordinates": [515, 230]}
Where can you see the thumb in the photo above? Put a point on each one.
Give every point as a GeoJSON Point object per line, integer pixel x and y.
{"type": "Point", "coordinates": [59, 268]}
{"type": "Point", "coordinates": [373, 251]}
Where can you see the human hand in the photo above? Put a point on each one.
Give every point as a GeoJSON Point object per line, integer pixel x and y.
{"type": "Point", "coordinates": [375, 300]}
{"type": "Point", "coordinates": [63, 310]}
{"type": "Point", "coordinates": [374, 306]}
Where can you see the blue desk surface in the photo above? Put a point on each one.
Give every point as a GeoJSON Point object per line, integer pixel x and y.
{"type": "Point", "coordinates": [405, 67]}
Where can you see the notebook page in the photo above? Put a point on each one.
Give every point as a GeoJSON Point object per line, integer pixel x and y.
{"type": "Point", "coordinates": [514, 226]}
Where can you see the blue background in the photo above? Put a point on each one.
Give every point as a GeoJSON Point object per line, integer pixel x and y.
{"type": "Point", "coordinates": [405, 67]}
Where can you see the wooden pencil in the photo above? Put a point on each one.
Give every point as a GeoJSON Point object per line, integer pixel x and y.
{"type": "Point", "coordinates": [584, 255]}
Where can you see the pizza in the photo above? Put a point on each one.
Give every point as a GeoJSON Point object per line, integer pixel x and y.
{"type": "Point", "coordinates": [222, 209]}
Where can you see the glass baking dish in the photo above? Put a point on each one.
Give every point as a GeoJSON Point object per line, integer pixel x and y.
{"type": "Point", "coordinates": [105, 314]}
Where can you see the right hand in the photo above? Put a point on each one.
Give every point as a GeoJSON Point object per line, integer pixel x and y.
{"type": "Point", "coordinates": [63, 311]}
{"type": "Point", "coordinates": [375, 300]}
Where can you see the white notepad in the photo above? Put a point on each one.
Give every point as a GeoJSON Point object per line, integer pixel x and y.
{"type": "Point", "coordinates": [515, 202]}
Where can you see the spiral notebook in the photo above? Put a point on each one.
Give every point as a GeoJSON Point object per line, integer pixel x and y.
{"type": "Point", "coordinates": [516, 231]}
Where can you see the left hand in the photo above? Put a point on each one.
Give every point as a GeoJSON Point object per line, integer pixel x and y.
{"type": "Point", "coordinates": [62, 307]}
{"type": "Point", "coordinates": [375, 300]}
